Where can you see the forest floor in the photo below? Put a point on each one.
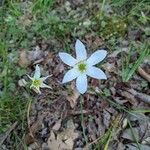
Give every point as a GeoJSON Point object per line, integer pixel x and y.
{"type": "Point", "coordinates": [113, 114]}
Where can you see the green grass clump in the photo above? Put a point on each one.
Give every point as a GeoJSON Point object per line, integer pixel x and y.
{"type": "Point", "coordinates": [12, 102]}
{"type": "Point", "coordinates": [128, 67]}
{"type": "Point", "coordinates": [41, 6]}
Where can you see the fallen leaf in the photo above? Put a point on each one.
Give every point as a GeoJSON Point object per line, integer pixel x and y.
{"type": "Point", "coordinates": [58, 69]}
{"type": "Point", "coordinates": [106, 118]}
{"type": "Point", "coordinates": [63, 140]}
{"type": "Point", "coordinates": [23, 58]}
{"type": "Point", "coordinates": [134, 146]}
{"type": "Point", "coordinates": [35, 54]}
{"type": "Point", "coordinates": [127, 134]}
{"type": "Point", "coordinates": [57, 125]}
{"type": "Point", "coordinates": [73, 97]}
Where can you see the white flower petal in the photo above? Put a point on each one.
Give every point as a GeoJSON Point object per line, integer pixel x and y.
{"type": "Point", "coordinates": [70, 75]}
{"type": "Point", "coordinates": [67, 59]}
{"type": "Point", "coordinates": [95, 72]}
{"type": "Point", "coordinates": [81, 83]}
{"type": "Point", "coordinates": [37, 73]}
{"type": "Point", "coordinates": [80, 50]}
{"type": "Point", "coordinates": [43, 85]}
{"type": "Point", "coordinates": [96, 57]}
{"type": "Point", "coordinates": [44, 78]}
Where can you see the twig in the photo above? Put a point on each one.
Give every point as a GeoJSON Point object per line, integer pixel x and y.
{"type": "Point", "coordinates": [129, 96]}
{"type": "Point", "coordinates": [144, 97]}
{"type": "Point", "coordinates": [144, 74]}
{"type": "Point", "coordinates": [80, 112]}
{"type": "Point", "coordinates": [8, 132]}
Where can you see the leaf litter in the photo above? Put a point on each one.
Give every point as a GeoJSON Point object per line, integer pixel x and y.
{"type": "Point", "coordinates": [55, 115]}
{"type": "Point", "coordinates": [57, 107]}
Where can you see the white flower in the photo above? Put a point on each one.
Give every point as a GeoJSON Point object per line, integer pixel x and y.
{"type": "Point", "coordinates": [37, 81]}
{"type": "Point", "coordinates": [83, 66]}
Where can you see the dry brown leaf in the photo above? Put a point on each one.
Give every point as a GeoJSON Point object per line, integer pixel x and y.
{"type": "Point", "coordinates": [73, 97]}
{"type": "Point", "coordinates": [127, 134]}
{"type": "Point", "coordinates": [144, 74]}
{"type": "Point", "coordinates": [58, 69]}
{"type": "Point", "coordinates": [106, 118]}
{"type": "Point", "coordinates": [64, 140]}
{"type": "Point", "coordinates": [56, 143]}
{"type": "Point", "coordinates": [57, 125]}
{"type": "Point", "coordinates": [138, 95]}
{"type": "Point", "coordinates": [110, 67]}
{"type": "Point", "coordinates": [128, 96]}
{"type": "Point", "coordinates": [36, 54]}
{"type": "Point", "coordinates": [29, 139]}
{"type": "Point", "coordinates": [23, 59]}
{"type": "Point", "coordinates": [92, 130]}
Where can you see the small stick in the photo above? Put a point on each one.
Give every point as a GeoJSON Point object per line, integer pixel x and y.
{"type": "Point", "coordinates": [145, 75]}
{"type": "Point", "coordinates": [80, 112]}
{"type": "Point", "coordinates": [144, 97]}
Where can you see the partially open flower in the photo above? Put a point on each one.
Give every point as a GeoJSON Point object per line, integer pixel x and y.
{"type": "Point", "coordinates": [37, 81]}
{"type": "Point", "coordinates": [83, 66]}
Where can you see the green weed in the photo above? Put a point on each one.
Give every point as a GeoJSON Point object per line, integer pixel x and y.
{"type": "Point", "coordinates": [12, 102]}
{"type": "Point", "coordinates": [104, 141]}
{"type": "Point", "coordinates": [42, 6]}
{"type": "Point", "coordinates": [128, 68]}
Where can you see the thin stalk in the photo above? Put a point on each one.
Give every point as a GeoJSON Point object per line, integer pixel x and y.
{"type": "Point", "coordinates": [102, 7]}
{"type": "Point", "coordinates": [82, 120]}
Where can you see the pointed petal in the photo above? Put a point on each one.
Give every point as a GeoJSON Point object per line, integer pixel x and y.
{"type": "Point", "coordinates": [29, 77]}
{"type": "Point", "coordinates": [70, 75]}
{"type": "Point", "coordinates": [43, 85]}
{"type": "Point", "coordinates": [38, 90]}
{"type": "Point", "coordinates": [37, 73]}
{"type": "Point", "coordinates": [80, 50]}
{"type": "Point", "coordinates": [67, 59]}
{"type": "Point", "coordinates": [96, 57]}
{"type": "Point", "coordinates": [81, 83]}
{"type": "Point", "coordinates": [96, 73]}
{"type": "Point", "coordinates": [44, 78]}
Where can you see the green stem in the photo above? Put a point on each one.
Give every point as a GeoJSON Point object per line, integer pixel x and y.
{"type": "Point", "coordinates": [82, 120]}
{"type": "Point", "coordinates": [102, 7]}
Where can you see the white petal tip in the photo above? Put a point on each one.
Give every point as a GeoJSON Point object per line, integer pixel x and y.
{"type": "Point", "coordinates": [67, 59]}
{"type": "Point", "coordinates": [103, 77]}
{"type": "Point", "coordinates": [82, 92]}
{"type": "Point", "coordinates": [63, 81]}
{"type": "Point", "coordinates": [60, 53]}
{"type": "Point", "coordinates": [78, 40]}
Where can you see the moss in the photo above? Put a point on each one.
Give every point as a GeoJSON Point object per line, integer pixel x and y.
{"type": "Point", "coordinates": [113, 26]}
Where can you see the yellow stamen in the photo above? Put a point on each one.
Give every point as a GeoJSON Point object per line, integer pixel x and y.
{"type": "Point", "coordinates": [82, 67]}
{"type": "Point", "coordinates": [36, 83]}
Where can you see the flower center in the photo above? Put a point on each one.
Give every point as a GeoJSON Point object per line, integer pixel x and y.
{"type": "Point", "coordinates": [36, 83]}
{"type": "Point", "coordinates": [82, 67]}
